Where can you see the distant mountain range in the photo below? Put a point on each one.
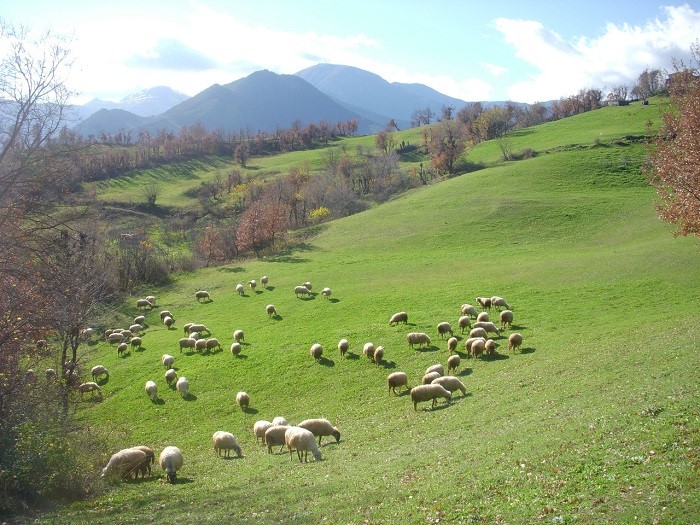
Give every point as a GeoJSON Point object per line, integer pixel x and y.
{"type": "Point", "coordinates": [265, 101]}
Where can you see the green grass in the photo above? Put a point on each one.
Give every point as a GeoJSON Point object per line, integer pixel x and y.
{"type": "Point", "coordinates": [594, 421]}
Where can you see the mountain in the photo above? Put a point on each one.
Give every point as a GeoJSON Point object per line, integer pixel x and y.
{"type": "Point", "coordinates": [358, 88]}
{"type": "Point", "coordinates": [145, 103]}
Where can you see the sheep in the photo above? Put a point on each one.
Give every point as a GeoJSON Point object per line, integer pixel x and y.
{"type": "Point", "coordinates": [478, 332]}
{"type": "Point", "coordinates": [97, 371]}
{"type": "Point", "coordinates": [143, 303]}
{"type": "Point", "coordinates": [436, 368]}
{"type": "Point", "coordinates": [303, 441]}
{"type": "Point", "coordinates": [87, 333]}
{"type": "Point", "coordinates": [316, 351]}
{"type": "Point", "coordinates": [271, 310]}
{"type": "Point", "coordinates": [30, 375]}
{"type": "Point", "coordinates": [183, 386]}
{"type": "Point", "coordinates": [279, 420]}
{"type": "Point", "coordinates": [301, 290]}
{"type": "Point", "coordinates": [259, 428]}
{"type": "Point", "coordinates": [320, 428]}
{"type": "Point", "coordinates": [126, 333]}
{"type": "Point", "coordinates": [116, 337]}
{"type": "Point", "coordinates": [171, 461]}
{"type": "Point", "coordinates": [195, 336]}
{"type": "Point", "coordinates": [484, 302]}
{"type": "Point", "coordinates": [243, 400]}
{"type": "Point", "coordinates": [506, 318]}
{"type": "Point", "coordinates": [453, 362]}
{"type": "Point", "coordinates": [427, 393]}
{"type": "Point", "coordinates": [123, 347]}
{"type": "Point", "coordinates": [186, 328]}
{"type": "Point", "coordinates": [123, 463]}
{"type": "Point", "coordinates": [464, 322]}
{"type": "Point", "coordinates": [490, 346]}
{"type": "Point", "coordinates": [240, 289]}
{"type": "Point", "coordinates": [326, 292]}
{"type": "Point", "coordinates": [468, 309]}
{"type": "Point", "coordinates": [151, 299]}
{"type": "Point", "coordinates": [368, 350]}
{"type": "Point", "coordinates": [145, 465]}
{"type": "Point", "coordinates": [307, 285]}
{"type": "Point", "coordinates": [202, 294]}
{"type": "Point", "coordinates": [478, 346]}
{"type": "Point", "coordinates": [170, 375]}
{"type": "Point", "coordinates": [135, 342]}
{"type": "Point", "coordinates": [488, 326]}
{"type": "Point", "coordinates": [168, 322]}
{"type": "Point", "coordinates": [274, 436]}
{"type": "Point", "coordinates": [165, 313]}
{"type": "Point", "coordinates": [200, 345]}
{"type": "Point", "coordinates": [140, 319]}
{"type": "Point", "coordinates": [252, 284]}
{"type": "Point", "coordinates": [90, 386]}
{"type": "Point", "coordinates": [452, 343]}
{"type": "Point", "coordinates": [239, 336]}
{"type": "Point", "coordinates": [444, 328]}
{"type": "Point", "coordinates": [167, 360]}
{"type": "Point", "coordinates": [199, 328]}
{"type": "Point", "coordinates": [235, 349]}
{"type": "Point", "coordinates": [429, 376]}
{"type": "Point", "coordinates": [152, 390]}
{"type": "Point", "coordinates": [499, 302]}
{"type": "Point", "coordinates": [264, 280]}
{"type": "Point", "coordinates": [213, 342]}
{"type": "Point", "coordinates": [398, 317]}
{"type": "Point", "coordinates": [418, 338]}
{"type": "Point", "coordinates": [135, 328]}
{"type": "Point", "coordinates": [187, 342]}
{"type": "Point", "coordinates": [343, 347]}
{"type": "Point", "coordinates": [227, 442]}
{"type": "Point", "coordinates": [397, 380]}
{"type": "Point", "coordinates": [514, 341]}
{"type": "Point", "coordinates": [483, 316]}
{"type": "Point", "coordinates": [50, 375]}
{"type": "Point", "coordinates": [451, 383]}
{"type": "Point", "coordinates": [378, 355]}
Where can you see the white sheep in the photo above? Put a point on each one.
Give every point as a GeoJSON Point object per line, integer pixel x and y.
{"type": "Point", "coordinates": [238, 335]}
{"type": "Point", "coordinates": [122, 348]}
{"type": "Point", "coordinates": [451, 383]}
{"type": "Point", "coordinates": [464, 322]}
{"type": "Point", "coordinates": [429, 376]}
{"type": "Point", "coordinates": [240, 289]}
{"type": "Point", "coordinates": [187, 342]}
{"type": "Point", "coordinates": [171, 461]}
{"type": "Point", "coordinates": [279, 420]}
{"type": "Point", "coordinates": [90, 386]}
{"type": "Point", "coordinates": [168, 322]}
{"type": "Point", "coordinates": [483, 316]}
{"type": "Point", "coordinates": [488, 326]}
{"type": "Point", "coordinates": [514, 341]}
{"type": "Point", "coordinates": [213, 342]}
{"type": "Point", "coordinates": [152, 390]}
{"type": "Point", "coordinates": [316, 351]}
{"type": "Point", "coordinates": [303, 441]}
{"type": "Point", "coordinates": [151, 299]}
{"type": "Point", "coordinates": [135, 328]}
{"type": "Point", "coordinates": [140, 319]}
{"type": "Point", "coordinates": [235, 349]}
{"type": "Point", "coordinates": [368, 350]}
{"type": "Point", "coordinates": [183, 386]}
{"type": "Point", "coordinates": [97, 371]}
{"type": "Point", "coordinates": [135, 342]}
{"type": "Point", "coordinates": [418, 338]}
{"type": "Point", "coordinates": [145, 466]}
{"type": "Point", "coordinates": [200, 345]}
{"type": "Point", "coordinates": [271, 310]}
{"type": "Point", "coordinates": [123, 463]}
{"type": "Point", "coordinates": [186, 328]}
{"type": "Point", "coordinates": [499, 302]}
{"type": "Point", "coordinates": [478, 346]}
{"type": "Point", "coordinates": [468, 309]}
{"type": "Point", "coordinates": [307, 285]}
{"type": "Point", "coordinates": [478, 332]}
{"type": "Point", "coordinates": [167, 360]}
{"type": "Point", "coordinates": [225, 441]}
{"type": "Point", "coordinates": [128, 334]}
{"type": "Point", "coordinates": [202, 294]}
{"type": "Point", "coordinates": [50, 375]}
{"type": "Point", "coordinates": [378, 355]}
{"type": "Point", "coordinates": [490, 346]}
{"type": "Point", "coordinates": [484, 302]}
{"type": "Point", "coordinates": [436, 368]}
{"type": "Point", "coordinates": [452, 343]}
{"type": "Point", "coordinates": [164, 314]}
{"type": "Point", "coordinates": [343, 347]}
{"type": "Point", "coordinates": [198, 328]}
{"type": "Point", "coordinates": [453, 362]}
{"type": "Point", "coordinates": [301, 290]}
{"type": "Point", "coordinates": [143, 303]}
{"type": "Point", "coordinates": [170, 375]}
{"type": "Point", "coordinates": [252, 284]}
{"type": "Point", "coordinates": [259, 428]}
{"type": "Point", "coordinates": [398, 317]}
{"type": "Point", "coordinates": [320, 427]}
{"type": "Point", "coordinates": [506, 318]}
{"type": "Point", "coordinates": [264, 280]}
{"type": "Point", "coordinates": [115, 337]}
{"type": "Point", "coordinates": [86, 334]}
{"type": "Point", "coordinates": [274, 436]}
{"type": "Point", "coordinates": [326, 292]}
{"type": "Point", "coordinates": [430, 392]}
{"type": "Point", "coordinates": [397, 380]}
{"type": "Point", "coordinates": [444, 328]}
{"type": "Point", "coordinates": [243, 400]}
{"type": "Point", "coordinates": [469, 342]}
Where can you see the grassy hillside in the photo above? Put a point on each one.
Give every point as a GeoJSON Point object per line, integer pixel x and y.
{"type": "Point", "coordinates": [594, 420]}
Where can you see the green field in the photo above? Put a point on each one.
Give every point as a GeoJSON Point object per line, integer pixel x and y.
{"type": "Point", "coordinates": [594, 420]}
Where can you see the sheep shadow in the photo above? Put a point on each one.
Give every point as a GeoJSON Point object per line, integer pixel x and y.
{"type": "Point", "coordinates": [403, 393]}
{"type": "Point", "coordinates": [258, 292]}
{"type": "Point", "coordinates": [388, 364]}
{"type": "Point", "coordinates": [103, 381]}
{"type": "Point", "coordinates": [270, 288]}
{"type": "Point", "coordinates": [230, 458]}
{"type": "Point", "coordinates": [241, 356]}
{"type": "Point", "coordinates": [189, 397]}
{"type": "Point", "coordinates": [178, 481]}
{"type": "Point", "coordinates": [326, 362]}
{"type": "Point", "coordinates": [140, 349]}
{"type": "Point", "coordinates": [494, 357]}
{"type": "Point", "coordinates": [308, 298]}
{"type": "Point", "coordinates": [334, 300]}
{"type": "Point", "coordinates": [276, 317]}
{"type": "Point", "coordinates": [351, 355]}
{"type": "Point", "coordinates": [250, 410]}
{"type": "Point", "coordinates": [439, 406]}
{"type": "Point", "coordinates": [465, 372]}
{"type": "Point", "coordinates": [528, 350]}
{"type": "Point", "coordinates": [235, 269]}
{"type": "Point", "coordinates": [431, 348]}
{"type": "Point", "coordinates": [159, 401]}
{"type": "Point", "coordinates": [124, 355]}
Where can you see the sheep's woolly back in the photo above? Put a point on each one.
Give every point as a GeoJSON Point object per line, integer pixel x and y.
{"type": "Point", "coordinates": [320, 427]}
{"type": "Point", "coordinates": [427, 393]}
{"type": "Point", "coordinates": [123, 463]}
{"type": "Point", "coordinates": [343, 346]}
{"type": "Point", "coordinates": [152, 390]}
{"type": "Point", "coordinates": [397, 379]}
{"type": "Point", "coordinates": [259, 429]}
{"type": "Point", "coordinates": [171, 461]}
{"type": "Point", "coordinates": [243, 400]}
{"type": "Point", "coordinates": [227, 442]}
{"type": "Point", "coordinates": [183, 386]}
{"type": "Point", "coordinates": [274, 436]}
{"type": "Point", "coordinates": [279, 420]}
{"type": "Point", "coordinates": [514, 341]}
{"type": "Point", "coordinates": [303, 441]}
{"type": "Point", "coordinates": [450, 383]}
{"type": "Point", "coordinates": [399, 317]}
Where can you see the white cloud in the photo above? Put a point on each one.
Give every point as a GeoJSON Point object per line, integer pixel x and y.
{"type": "Point", "coordinates": [617, 57]}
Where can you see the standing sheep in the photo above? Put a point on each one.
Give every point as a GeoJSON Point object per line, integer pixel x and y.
{"type": "Point", "coordinates": [151, 299]}
{"type": "Point", "coordinates": [316, 351]}
{"type": "Point", "coordinates": [183, 386]}
{"type": "Point", "coordinates": [301, 290]}
{"type": "Point", "coordinates": [307, 285]}
{"type": "Point", "coordinates": [453, 363]}
{"type": "Point", "coordinates": [200, 345]}
{"type": "Point", "coordinates": [429, 392]}
{"type": "Point", "coordinates": [484, 302]}
{"type": "Point", "coordinates": [50, 375]}
{"type": "Point", "coordinates": [368, 350]}
{"type": "Point", "coordinates": [444, 328]}
{"type": "Point", "coordinates": [135, 342]}
{"type": "Point", "coordinates": [136, 328]}
{"type": "Point", "coordinates": [125, 462]}
{"type": "Point", "coordinates": [418, 338]}
{"type": "Point", "coordinates": [397, 380]}
{"type": "Point", "coordinates": [239, 336]}
{"type": "Point", "coordinates": [488, 326]}
{"type": "Point", "coordinates": [343, 347]}
{"type": "Point", "coordinates": [240, 289]}
{"type": "Point", "coordinates": [279, 420]}
{"type": "Point", "coordinates": [514, 341]}
{"type": "Point", "coordinates": [171, 461]}
{"type": "Point", "coordinates": [143, 303]}
{"type": "Point", "coordinates": [452, 343]}
{"type": "Point", "coordinates": [122, 348]}
{"type": "Point", "coordinates": [468, 309]}
{"type": "Point", "coordinates": [478, 346]}
{"type": "Point", "coordinates": [470, 342]}
{"type": "Point", "coordinates": [326, 292]}
{"type": "Point", "coordinates": [490, 347]}
{"type": "Point", "coordinates": [227, 442]}
{"type": "Point", "coordinates": [451, 383]}
{"type": "Point", "coordinates": [167, 360]}
{"type": "Point", "coordinates": [264, 280]}
{"type": "Point", "coordinates": [187, 342]}
{"type": "Point", "coordinates": [478, 332]}
{"type": "Point", "coordinates": [116, 337]}
{"type": "Point", "coordinates": [90, 386]}
{"type": "Point", "coordinates": [165, 313]}
{"type": "Point", "coordinates": [235, 349]}
{"type": "Point", "coordinates": [499, 302]}
{"type": "Point", "coordinates": [303, 441]}
{"type": "Point", "coordinates": [152, 390]}
{"type": "Point", "coordinates": [320, 428]}
{"type": "Point", "coordinates": [483, 316]}
{"type": "Point", "coordinates": [399, 317]}
{"type": "Point", "coordinates": [429, 376]}
{"type": "Point", "coordinates": [170, 376]}
{"type": "Point", "coordinates": [378, 355]}
{"type": "Point", "coordinates": [202, 294]}
{"type": "Point", "coordinates": [213, 342]}
{"type": "Point", "coordinates": [145, 466]}
{"type": "Point", "coordinates": [464, 322]}
{"type": "Point", "coordinates": [506, 318]}
{"type": "Point", "coordinates": [169, 322]}
{"type": "Point", "coordinates": [252, 284]}
{"type": "Point", "coordinates": [259, 428]}
{"type": "Point", "coordinates": [243, 400]}
{"type": "Point", "coordinates": [436, 368]}
{"type": "Point", "coordinates": [97, 371]}
{"type": "Point", "coordinates": [271, 310]}
{"type": "Point", "coordinates": [274, 436]}
{"type": "Point", "coordinates": [140, 319]}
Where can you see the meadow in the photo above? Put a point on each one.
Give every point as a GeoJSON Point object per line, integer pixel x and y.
{"type": "Point", "coordinates": [594, 420]}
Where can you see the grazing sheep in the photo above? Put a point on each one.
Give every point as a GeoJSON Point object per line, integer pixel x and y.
{"type": "Point", "coordinates": [506, 318]}
{"type": "Point", "coordinates": [199, 328]}
{"type": "Point", "coordinates": [320, 428]}
{"type": "Point", "coordinates": [271, 310]}
{"type": "Point", "coordinates": [444, 328]}
{"type": "Point", "coordinates": [301, 290]}
{"type": "Point", "coordinates": [429, 376]}
{"type": "Point", "coordinates": [303, 441]}
{"type": "Point", "coordinates": [398, 317]}
{"type": "Point", "coordinates": [397, 380]}
{"type": "Point", "coordinates": [183, 386]}
{"type": "Point", "coordinates": [436, 368]}
{"type": "Point", "coordinates": [123, 347]}
{"type": "Point", "coordinates": [171, 461]}
{"type": "Point", "coordinates": [235, 349]}
{"type": "Point", "coordinates": [450, 383]}
{"type": "Point", "coordinates": [144, 467]}
{"type": "Point", "coordinates": [140, 319]}
{"type": "Point", "coordinates": [165, 313]}
{"type": "Point", "coordinates": [490, 347]}
{"type": "Point", "coordinates": [326, 292]}
{"type": "Point", "coordinates": [274, 436]}
{"type": "Point", "coordinates": [259, 428]}
{"type": "Point", "coordinates": [187, 342]}
{"type": "Point", "coordinates": [86, 334]}
{"type": "Point", "coordinates": [186, 328]}
{"type": "Point", "coordinates": [168, 322]}
{"type": "Point", "coordinates": [202, 294]}
{"type": "Point", "coordinates": [252, 284]}
{"type": "Point", "coordinates": [468, 309]}
{"type": "Point", "coordinates": [343, 346]}
{"type": "Point", "coordinates": [97, 371]}
{"type": "Point", "coordinates": [378, 355]}
{"type": "Point", "coordinates": [514, 341]}
{"type": "Point", "coordinates": [213, 342]}
{"type": "Point", "coordinates": [484, 302]}
{"type": "Point", "coordinates": [227, 442]}
{"type": "Point", "coordinates": [135, 342]}
{"type": "Point", "coordinates": [478, 346]}
{"type": "Point", "coordinates": [240, 289]}
{"type": "Point", "coordinates": [167, 360]}
{"type": "Point", "coordinates": [116, 337]}
{"type": "Point", "coordinates": [469, 343]}
{"type": "Point", "coordinates": [125, 462]}
{"type": "Point", "coordinates": [128, 334]}
{"type": "Point", "coordinates": [488, 326]}
{"type": "Point", "coordinates": [151, 299]}
{"type": "Point", "coordinates": [279, 420]}
{"type": "Point", "coordinates": [429, 392]}
{"type": "Point", "coordinates": [478, 332]}
{"type": "Point", "coordinates": [499, 302]}
{"type": "Point", "coordinates": [264, 280]}
{"type": "Point", "coordinates": [200, 345]}
{"type": "Point", "coordinates": [135, 328]}
{"type": "Point", "coordinates": [316, 351]}
{"type": "Point", "coordinates": [243, 400]}
{"type": "Point", "coordinates": [418, 338]}
{"type": "Point", "coordinates": [452, 343]}
{"type": "Point", "coordinates": [368, 350]}
{"type": "Point", "coordinates": [50, 375]}
{"type": "Point", "coordinates": [307, 285]}
{"type": "Point", "coordinates": [170, 376]}
{"type": "Point", "coordinates": [31, 375]}
{"type": "Point", "coordinates": [143, 303]}
{"type": "Point", "coordinates": [464, 322]}
{"type": "Point", "coordinates": [453, 363]}
{"type": "Point", "coordinates": [483, 316]}
{"type": "Point", "coordinates": [238, 335]}
{"type": "Point", "coordinates": [195, 336]}
{"type": "Point", "coordinates": [89, 387]}
{"type": "Point", "coordinates": [152, 390]}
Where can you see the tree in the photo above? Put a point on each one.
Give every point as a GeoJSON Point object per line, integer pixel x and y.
{"type": "Point", "coordinates": [492, 123]}
{"type": "Point", "coordinates": [674, 163]}
{"type": "Point", "coordinates": [260, 226]}
{"type": "Point", "coordinates": [421, 117]}
{"type": "Point", "coordinates": [385, 142]}
{"type": "Point", "coordinates": [447, 142]}
{"type": "Point", "coordinates": [649, 82]}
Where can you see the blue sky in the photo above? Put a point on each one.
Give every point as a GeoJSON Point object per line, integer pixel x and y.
{"type": "Point", "coordinates": [522, 50]}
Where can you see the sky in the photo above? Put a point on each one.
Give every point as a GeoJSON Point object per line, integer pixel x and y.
{"type": "Point", "coordinates": [487, 50]}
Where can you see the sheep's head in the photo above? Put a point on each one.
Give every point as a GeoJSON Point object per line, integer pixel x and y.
{"type": "Point", "coordinates": [172, 475]}
{"type": "Point", "coordinates": [336, 435]}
